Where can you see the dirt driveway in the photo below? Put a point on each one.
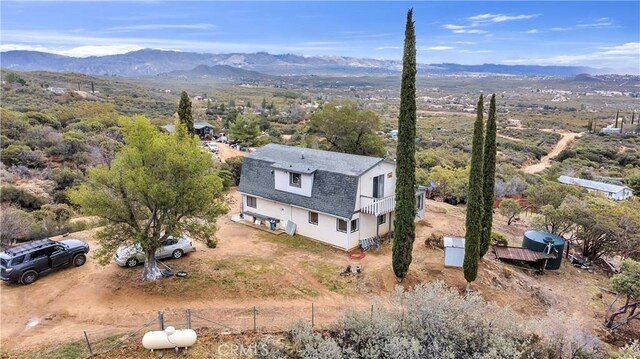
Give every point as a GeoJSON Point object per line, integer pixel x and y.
{"type": "Point", "coordinates": [281, 276]}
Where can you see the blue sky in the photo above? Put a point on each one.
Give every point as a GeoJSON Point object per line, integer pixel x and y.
{"type": "Point", "coordinates": [597, 34]}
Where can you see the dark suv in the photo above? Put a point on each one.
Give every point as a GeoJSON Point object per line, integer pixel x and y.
{"type": "Point", "coordinates": [24, 263]}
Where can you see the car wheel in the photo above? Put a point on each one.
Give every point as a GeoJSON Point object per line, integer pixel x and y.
{"type": "Point", "coordinates": [132, 262]}
{"type": "Point", "coordinates": [79, 260]}
{"type": "Point", "coordinates": [28, 277]}
{"type": "Point", "coordinates": [177, 253]}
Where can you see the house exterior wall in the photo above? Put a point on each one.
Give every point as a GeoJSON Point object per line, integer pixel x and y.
{"type": "Point", "coordinates": [365, 186]}
{"type": "Point", "coordinates": [282, 183]}
{"type": "Point", "coordinates": [368, 223]}
{"type": "Point", "coordinates": [325, 231]}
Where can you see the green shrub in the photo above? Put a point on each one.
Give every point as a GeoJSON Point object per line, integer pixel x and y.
{"type": "Point", "coordinates": [20, 197]}
{"type": "Point", "coordinates": [499, 239]}
{"type": "Point", "coordinates": [22, 155]}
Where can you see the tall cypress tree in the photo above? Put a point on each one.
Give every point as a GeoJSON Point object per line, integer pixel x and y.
{"type": "Point", "coordinates": [184, 112]}
{"type": "Point", "coordinates": [473, 224]}
{"type": "Point", "coordinates": [617, 113]}
{"type": "Point", "coordinates": [404, 225]}
{"type": "Point", "coordinates": [489, 175]}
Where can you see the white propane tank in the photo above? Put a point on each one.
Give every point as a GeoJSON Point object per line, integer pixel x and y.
{"type": "Point", "coordinates": [169, 338]}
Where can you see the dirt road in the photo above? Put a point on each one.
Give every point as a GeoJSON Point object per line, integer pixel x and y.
{"type": "Point", "coordinates": [225, 151]}
{"type": "Point", "coordinates": [545, 161]}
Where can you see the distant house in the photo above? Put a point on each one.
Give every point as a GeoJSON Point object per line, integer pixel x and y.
{"type": "Point", "coordinates": [202, 129]}
{"type": "Point", "coordinates": [610, 131]}
{"type": "Point", "coordinates": [56, 90]}
{"type": "Point", "coordinates": [615, 192]}
{"type": "Point", "coordinates": [513, 122]}
{"type": "Point", "coordinates": [335, 198]}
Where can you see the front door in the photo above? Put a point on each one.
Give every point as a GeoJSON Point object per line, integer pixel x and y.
{"type": "Point", "coordinates": [58, 256]}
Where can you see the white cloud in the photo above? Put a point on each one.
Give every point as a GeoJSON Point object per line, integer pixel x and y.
{"type": "Point", "coordinates": [624, 57]}
{"type": "Point", "coordinates": [437, 48]}
{"type": "Point", "coordinates": [60, 43]}
{"type": "Point", "coordinates": [495, 18]}
{"type": "Point", "coordinates": [532, 31]}
{"type": "Point", "coordinates": [388, 47]}
{"type": "Point", "coordinates": [603, 22]}
{"type": "Point", "coordinates": [484, 20]}
{"type": "Point", "coordinates": [454, 27]}
{"type": "Point", "coordinates": [472, 31]}
{"type": "Point", "coordinates": [148, 27]}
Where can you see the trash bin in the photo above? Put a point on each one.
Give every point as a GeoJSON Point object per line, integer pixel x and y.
{"type": "Point", "coordinates": [272, 225]}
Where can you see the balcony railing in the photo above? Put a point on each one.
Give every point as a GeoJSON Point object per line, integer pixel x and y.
{"type": "Point", "coordinates": [377, 206]}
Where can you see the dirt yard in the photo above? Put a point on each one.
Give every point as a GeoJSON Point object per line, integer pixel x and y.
{"type": "Point", "coordinates": [281, 276]}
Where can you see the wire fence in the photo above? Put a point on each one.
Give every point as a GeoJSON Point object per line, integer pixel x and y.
{"type": "Point", "coordinates": [96, 343]}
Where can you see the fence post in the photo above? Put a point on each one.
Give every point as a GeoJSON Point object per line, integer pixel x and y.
{"type": "Point", "coordinates": [188, 318]}
{"type": "Point", "coordinates": [86, 337]}
{"type": "Point", "coordinates": [371, 312]}
{"type": "Point", "coordinates": [312, 315]}
{"type": "Point", "coordinates": [254, 318]}
{"type": "Point", "coordinates": [161, 320]}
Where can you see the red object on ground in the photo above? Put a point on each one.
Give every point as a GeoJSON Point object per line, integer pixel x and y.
{"type": "Point", "coordinates": [357, 254]}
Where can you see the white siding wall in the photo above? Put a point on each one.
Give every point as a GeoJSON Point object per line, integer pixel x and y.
{"type": "Point", "coordinates": [365, 186]}
{"type": "Point", "coordinates": [326, 230]}
{"type": "Point", "coordinates": [282, 183]}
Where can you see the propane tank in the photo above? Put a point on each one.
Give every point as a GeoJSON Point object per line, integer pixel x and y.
{"type": "Point", "coordinates": [169, 338]}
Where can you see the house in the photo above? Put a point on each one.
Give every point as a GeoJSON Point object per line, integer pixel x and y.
{"type": "Point", "coordinates": [610, 131]}
{"type": "Point", "coordinates": [335, 198]}
{"type": "Point", "coordinates": [615, 192]}
{"type": "Point", "coordinates": [202, 129]}
{"type": "Point", "coordinates": [514, 122]}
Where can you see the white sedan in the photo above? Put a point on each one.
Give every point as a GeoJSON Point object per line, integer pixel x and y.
{"type": "Point", "coordinates": [132, 255]}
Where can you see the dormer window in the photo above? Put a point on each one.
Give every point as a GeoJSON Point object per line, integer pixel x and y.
{"type": "Point", "coordinates": [295, 179]}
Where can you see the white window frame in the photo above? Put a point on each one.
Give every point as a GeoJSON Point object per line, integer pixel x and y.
{"type": "Point", "coordinates": [346, 225]}
{"type": "Point", "coordinates": [292, 183]}
{"type": "Point", "coordinates": [382, 219]}
{"type": "Point", "coordinates": [356, 227]}
{"type": "Point", "coordinates": [252, 199]}
{"type": "Point", "coordinates": [317, 218]}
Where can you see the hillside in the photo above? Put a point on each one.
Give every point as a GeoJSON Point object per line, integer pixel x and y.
{"type": "Point", "coordinates": [152, 62]}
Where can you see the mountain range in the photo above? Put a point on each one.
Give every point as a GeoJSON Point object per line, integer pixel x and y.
{"type": "Point", "coordinates": [150, 62]}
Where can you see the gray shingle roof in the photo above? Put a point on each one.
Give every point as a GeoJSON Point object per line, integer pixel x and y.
{"type": "Point", "coordinates": [283, 156]}
{"type": "Point", "coordinates": [600, 186]}
{"type": "Point", "coordinates": [335, 183]}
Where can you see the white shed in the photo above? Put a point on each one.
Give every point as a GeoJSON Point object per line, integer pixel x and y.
{"type": "Point", "coordinates": [453, 251]}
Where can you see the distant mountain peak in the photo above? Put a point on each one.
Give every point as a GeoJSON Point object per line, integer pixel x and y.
{"type": "Point", "coordinates": [147, 62]}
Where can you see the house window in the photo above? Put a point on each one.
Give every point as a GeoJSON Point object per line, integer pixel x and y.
{"type": "Point", "coordinates": [313, 217]}
{"type": "Point", "coordinates": [295, 179]}
{"type": "Point", "coordinates": [251, 202]}
{"type": "Point", "coordinates": [419, 202]}
{"type": "Point", "coordinates": [354, 225]}
{"type": "Point", "coordinates": [341, 225]}
{"type": "Point", "coordinates": [382, 219]}
{"type": "Point", "coordinates": [378, 186]}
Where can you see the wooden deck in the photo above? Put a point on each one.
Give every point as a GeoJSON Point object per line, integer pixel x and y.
{"type": "Point", "coordinates": [521, 254]}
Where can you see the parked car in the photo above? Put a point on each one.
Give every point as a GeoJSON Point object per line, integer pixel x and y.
{"type": "Point", "coordinates": [26, 262]}
{"type": "Point", "coordinates": [213, 147]}
{"type": "Point", "coordinates": [132, 255]}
